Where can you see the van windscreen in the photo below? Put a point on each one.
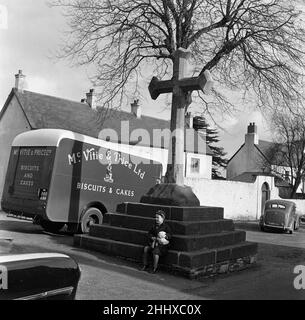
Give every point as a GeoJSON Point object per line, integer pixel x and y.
{"type": "Point", "coordinates": [30, 171]}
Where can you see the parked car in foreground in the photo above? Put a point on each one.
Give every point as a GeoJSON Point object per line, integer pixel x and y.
{"type": "Point", "coordinates": [281, 215]}
{"type": "Point", "coordinates": [38, 276]}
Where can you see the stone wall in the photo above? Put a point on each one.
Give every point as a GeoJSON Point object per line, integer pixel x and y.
{"type": "Point", "coordinates": [240, 200]}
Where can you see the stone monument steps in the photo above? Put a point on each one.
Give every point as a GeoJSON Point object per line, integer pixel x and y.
{"type": "Point", "coordinates": [171, 212]}
{"type": "Point", "coordinates": [177, 227]}
{"type": "Point", "coordinates": [178, 242]}
{"type": "Point", "coordinates": [203, 242]}
{"type": "Point", "coordinates": [191, 264]}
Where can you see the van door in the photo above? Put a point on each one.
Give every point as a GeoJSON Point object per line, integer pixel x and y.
{"type": "Point", "coordinates": [28, 178]}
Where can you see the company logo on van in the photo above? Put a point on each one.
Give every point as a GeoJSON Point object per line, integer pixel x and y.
{"type": "Point", "coordinates": [107, 158]}
{"type": "Point", "coordinates": [87, 155]}
{"type": "Point", "coordinates": [109, 177]}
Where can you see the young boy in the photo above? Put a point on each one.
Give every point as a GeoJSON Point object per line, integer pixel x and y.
{"type": "Point", "coordinates": [158, 238]}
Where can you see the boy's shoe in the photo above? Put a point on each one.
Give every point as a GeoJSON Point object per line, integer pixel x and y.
{"type": "Point", "coordinates": [153, 270]}
{"type": "Point", "coordinates": [144, 268]}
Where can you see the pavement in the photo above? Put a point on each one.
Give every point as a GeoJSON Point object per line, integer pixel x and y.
{"type": "Point", "coordinates": [112, 278]}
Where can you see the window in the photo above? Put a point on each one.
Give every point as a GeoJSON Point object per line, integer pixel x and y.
{"type": "Point", "coordinates": [195, 165]}
{"type": "Point", "coordinates": [287, 176]}
{"type": "Point", "coordinates": [277, 206]}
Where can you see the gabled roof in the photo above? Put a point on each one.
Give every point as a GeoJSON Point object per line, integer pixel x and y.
{"type": "Point", "coordinates": [273, 152]}
{"type": "Point", "coordinates": [266, 149]}
{"type": "Point", "coordinates": [43, 111]}
{"type": "Point", "coordinates": [265, 146]}
{"type": "Point", "coordinates": [250, 177]}
{"type": "Point", "coordinates": [236, 152]}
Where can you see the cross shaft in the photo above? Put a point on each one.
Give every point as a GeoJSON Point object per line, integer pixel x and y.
{"type": "Point", "coordinates": [181, 87]}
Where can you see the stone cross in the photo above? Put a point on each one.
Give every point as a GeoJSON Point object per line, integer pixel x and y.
{"type": "Point", "coordinates": [181, 87]}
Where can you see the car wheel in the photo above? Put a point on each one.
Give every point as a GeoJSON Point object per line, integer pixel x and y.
{"type": "Point", "coordinates": [51, 226]}
{"type": "Point", "coordinates": [90, 217]}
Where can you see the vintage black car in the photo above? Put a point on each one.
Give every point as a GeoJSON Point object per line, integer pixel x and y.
{"type": "Point", "coordinates": [281, 215]}
{"type": "Point", "coordinates": [38, 276]}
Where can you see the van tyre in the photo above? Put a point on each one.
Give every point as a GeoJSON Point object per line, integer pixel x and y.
{"type": "Point", "coordinates": [90, 217]}
{"type": "Point", "coordinates": [51, 226]}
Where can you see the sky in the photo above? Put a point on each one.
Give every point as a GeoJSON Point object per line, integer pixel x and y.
{"type": "Point", "coordinates": [30, 34]}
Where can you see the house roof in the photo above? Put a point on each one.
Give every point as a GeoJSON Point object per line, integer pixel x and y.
{"type": "Point", "coordinates": [267, 150]}
{"type": "Point", "coordinates": [236, 152]}
{"type": "Point", "coordinates": [265, 146]}
{"type": "Point", "coordinates": [273, 152]}
{"type": "Point", "coordinates": [44, 111]}
{"type": "Point", "coordinates": [250, 177]}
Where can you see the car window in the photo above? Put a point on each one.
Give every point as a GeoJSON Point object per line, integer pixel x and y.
{"type": "Point", "coordinates": [277, 206]}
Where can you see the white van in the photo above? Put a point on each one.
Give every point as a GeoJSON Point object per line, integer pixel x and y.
{"type": "Point", "coordinates": [60, 177]}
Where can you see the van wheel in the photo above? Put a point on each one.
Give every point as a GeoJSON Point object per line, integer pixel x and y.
{"type": "Point", "coordinates": [90, 217]}
{"type": "Point", "coordinates": [50, 226]}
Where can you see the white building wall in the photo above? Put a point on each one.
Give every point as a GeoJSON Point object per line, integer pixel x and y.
{"type": "Point", "coordinates": [205, 167]}
{"type": "Point", "coordinates": [300, 205]}
{"type": "Point", "coordinates": [12, 123]}
{"type": "Point", "coordinates": [238, 164]}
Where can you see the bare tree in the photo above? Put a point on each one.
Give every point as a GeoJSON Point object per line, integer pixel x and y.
{"type": "Point", "coordinates": [287, 154]}
{"type": "Point", "coordinates": [253, 45]}
{"type": "Point", "coordinates": [250, 45]}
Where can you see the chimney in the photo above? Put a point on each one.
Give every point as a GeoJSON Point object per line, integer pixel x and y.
{"type": "Point", "coordinates": [20, 81]}
{"type": "Point", "coordinates": [91, 99]}
{"type": "Point", "coordinates": [251, 136]}
{"type": "Point", "coordinates": [189, 120]}
{"type": "Point", "coordinates": [252, 128]}
{"type": "Point", "coordinates": [136, 109]}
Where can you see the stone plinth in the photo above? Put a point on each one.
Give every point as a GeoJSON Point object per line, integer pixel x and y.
{"type": "Point", "coordinates": [203, 242]}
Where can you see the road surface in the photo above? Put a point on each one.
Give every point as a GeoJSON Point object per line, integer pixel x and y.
{"type": "Point", "coordinates": [105, 277]}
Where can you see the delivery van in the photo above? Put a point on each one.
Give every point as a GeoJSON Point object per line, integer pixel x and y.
{"type": "Point", "coordinates": [59, 177]}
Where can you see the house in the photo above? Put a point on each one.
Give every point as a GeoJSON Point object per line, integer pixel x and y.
{"type": "Point", "coordinates": [25, 110]}
{"type": "Point", "coordinates": [250, 157]}
{"type": "Point", "coordinates": [258, 157]}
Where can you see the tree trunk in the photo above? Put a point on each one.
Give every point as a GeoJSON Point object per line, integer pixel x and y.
{"type": "Point", "coordinates": [295, 186]}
